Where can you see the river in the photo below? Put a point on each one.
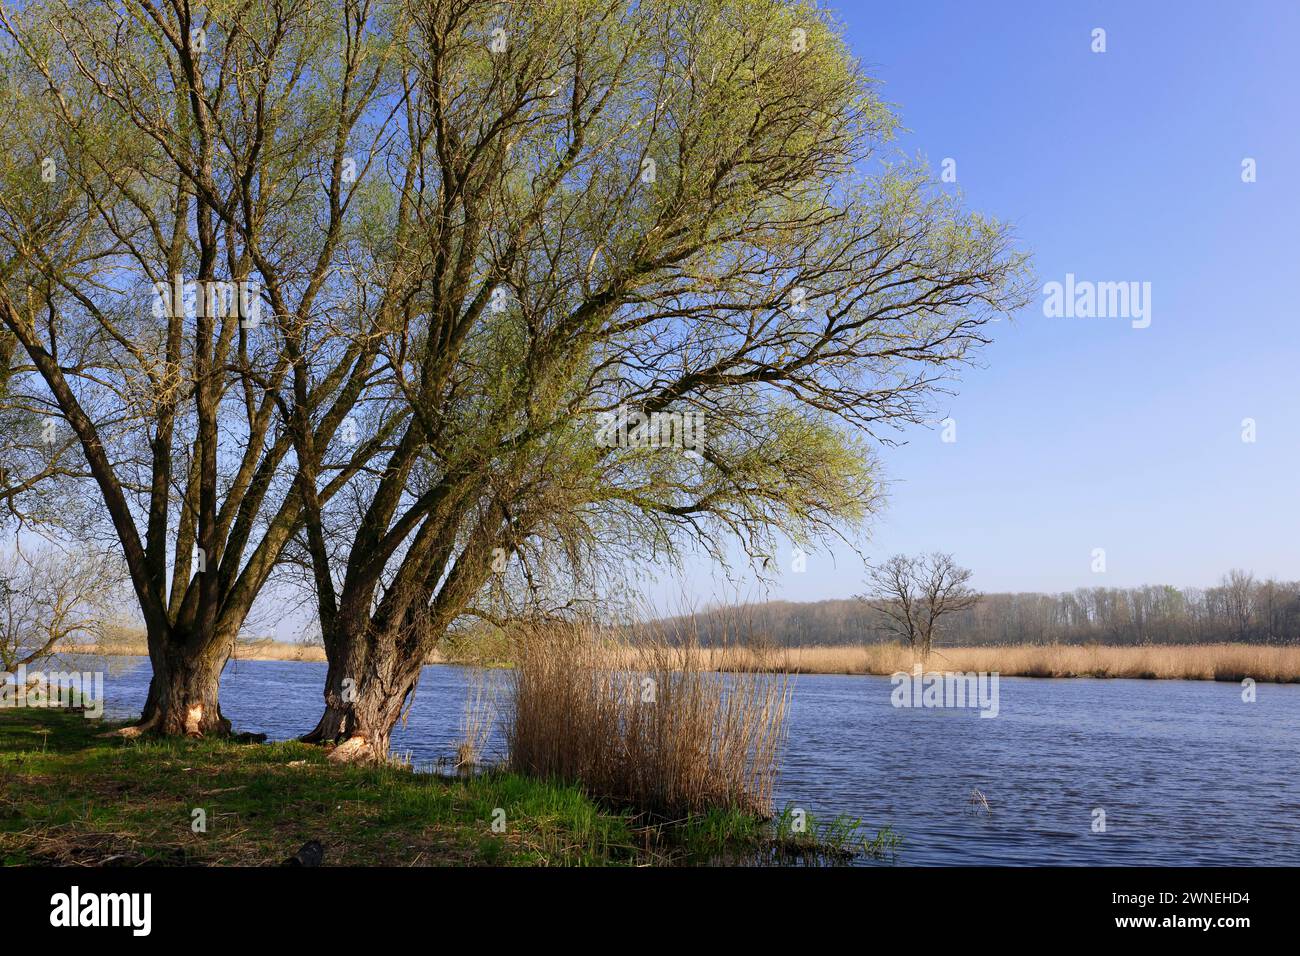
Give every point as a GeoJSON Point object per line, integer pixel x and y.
{"type": "Point", "coordinates": [1185, 772]}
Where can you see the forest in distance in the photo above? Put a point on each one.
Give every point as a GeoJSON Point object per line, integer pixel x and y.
{"type": "Point", "coordinates": [1241, 609]}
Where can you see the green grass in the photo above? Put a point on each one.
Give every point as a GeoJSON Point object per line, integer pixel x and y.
{"type": "Point", "coordinates": [843, 838]}
{"type": "Point", "coordinates": [68, 795]}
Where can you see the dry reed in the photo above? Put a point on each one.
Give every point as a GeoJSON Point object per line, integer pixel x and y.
{"type": "Point", "coordinates": [643, 723]}
{"type": "Point", "coordinates": [1230, 662]}
{"type": "Point", "coordinates": [477, 720]}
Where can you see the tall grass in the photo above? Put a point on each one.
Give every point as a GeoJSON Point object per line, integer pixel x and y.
{"type": "Point", "coordinates": [644, 723]}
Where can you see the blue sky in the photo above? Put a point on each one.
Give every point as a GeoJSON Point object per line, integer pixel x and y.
{"type": "Point", "coordinates": [1083, 433]}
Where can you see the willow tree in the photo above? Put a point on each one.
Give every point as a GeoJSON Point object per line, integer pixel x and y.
{"type": "Point", "coordinates": [669, 293]}
{"type": "Point", "coordinates": [179, 211]}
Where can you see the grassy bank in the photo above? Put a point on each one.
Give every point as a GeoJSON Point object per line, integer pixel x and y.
{"type": "Point", "coordinates": [70, 796]}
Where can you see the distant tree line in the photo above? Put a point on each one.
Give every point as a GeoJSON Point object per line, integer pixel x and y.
{"type": "Point", "coordinates": [1240, 608]}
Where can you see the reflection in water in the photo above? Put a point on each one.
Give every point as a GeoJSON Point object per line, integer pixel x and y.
{"type": "Point", "coordinates": [1185, 772]}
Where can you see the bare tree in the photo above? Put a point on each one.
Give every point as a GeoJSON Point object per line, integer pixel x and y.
{"type": "Point", "coordinates": [48, 597]}
{"type": "Point", "coordinates": [912, 594]}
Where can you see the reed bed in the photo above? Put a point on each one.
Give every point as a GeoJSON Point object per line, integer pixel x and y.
{"type": "Point", "coordinates": [647, 724]}
{"type": "Point", "coordinates": [1228, 662]}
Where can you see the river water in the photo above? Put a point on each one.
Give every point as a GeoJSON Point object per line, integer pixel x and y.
{"type": "Point", "coordinates": [1185, 772]}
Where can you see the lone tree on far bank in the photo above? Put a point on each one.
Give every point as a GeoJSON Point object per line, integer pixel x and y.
{"type": "Point", "coordinates": [913, 593]}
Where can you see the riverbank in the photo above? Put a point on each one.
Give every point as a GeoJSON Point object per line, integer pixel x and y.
{"type": "Point", "coordinates": [69, 796]}
{"type": "Point", "coordinates": [1224, 662]}
{"type": "Point", "coordinates": [265, 650]}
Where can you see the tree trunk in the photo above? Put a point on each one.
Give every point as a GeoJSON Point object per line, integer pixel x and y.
{"type": "Point", "coordinates": [184, 691]}
{"type": "Point", "coordinates": [363, 702]}
{"type": "Point", "coordinates": [376, 656]}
